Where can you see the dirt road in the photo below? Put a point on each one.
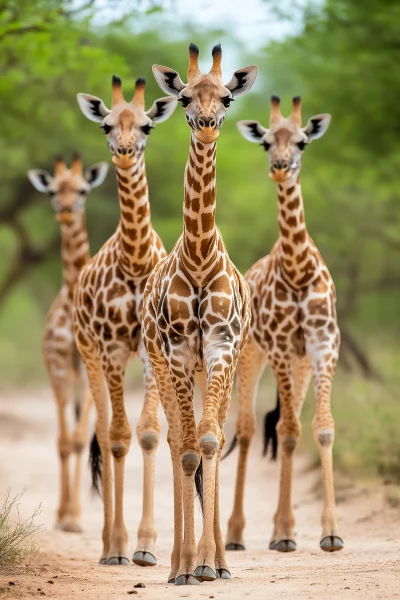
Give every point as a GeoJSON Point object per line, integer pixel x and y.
{"type": "Point", "coordinates": [66, 566]}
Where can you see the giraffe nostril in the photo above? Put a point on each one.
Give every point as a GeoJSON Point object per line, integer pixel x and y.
{"type": "Point", "coordinates": [201, 123]}
{"type": "Point", "coordinates": [212, 123]}
{"type": "Point", "coordinates": [130, 151]}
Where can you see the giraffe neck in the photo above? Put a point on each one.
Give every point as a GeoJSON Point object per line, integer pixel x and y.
{"type": "Point", "coordinates": [199, 229]}
{"type": "Point", "coordinates": [298, 258]}
{"type": "Point", "coordinates": [135, 229]}
{"type": "Point", "coordinates": [74, 249]}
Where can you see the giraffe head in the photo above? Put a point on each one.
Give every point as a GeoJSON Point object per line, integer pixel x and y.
{"type": "Point", "coordinates": [127, 125]}
{"type": "Point", "coordinates": [68, 188]}
{"type": "Point", "coordinates": [204, 97]}
{"type": "Point", "coordinates": [285, 140]}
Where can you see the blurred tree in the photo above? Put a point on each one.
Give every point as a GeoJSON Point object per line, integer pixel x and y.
{"type": "Point", "coordinates": [342, 59]}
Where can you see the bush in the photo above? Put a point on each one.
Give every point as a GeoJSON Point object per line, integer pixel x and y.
{"type": "Point", "coordinates": [16, 534]}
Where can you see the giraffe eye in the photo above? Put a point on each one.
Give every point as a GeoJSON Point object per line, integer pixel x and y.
{"type": "Point", "coordinates": [227, 101]}
{"type": "Point", "coordinates": [184, 100]}
{"type": "Point", "coordinates": [266, 146]}
{"type": "Point", "coordinates": [301, 145]}
{"type": "Point", "coordinates": [147, 129]}
{"type": "Point", "coordinates": [106, 128]}
{"type": "Point", "coordinates": [51, 193]}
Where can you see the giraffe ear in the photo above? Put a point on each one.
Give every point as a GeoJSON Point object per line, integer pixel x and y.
{"type": "Point", "coordinates": [317, 126]}
{"type": "Point", "coordinates": [168, 80]}
{"type": "Point", "coordinates": [162, 109]}
{"type": "Point", "coordinates": [40, 179]}
{"type": "Point", "coordinates": [252, 131]}
{"type": "Point", "coordinates": [92, 107]}
{"type": "Point", "coordinates": [96, 174]}
{"type": "Point", "coordinates": [242, 80]}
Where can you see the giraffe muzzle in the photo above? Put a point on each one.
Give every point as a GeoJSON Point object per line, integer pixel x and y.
{"type": "Point", "coordinates": [124, 157]}
{"type": "Point", "coordinates": [280, 170]}
{"type": "Point", "coordinates": [65, 216]}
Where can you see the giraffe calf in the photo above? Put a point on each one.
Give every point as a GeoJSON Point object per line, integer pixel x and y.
{"type": "Point", "coordinates": [68, 189]}
{"type": "Point", "coordinates": [294, 330]}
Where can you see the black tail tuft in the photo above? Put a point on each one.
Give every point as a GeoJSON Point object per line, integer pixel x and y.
{"type": "Point", "coordinates": [95, 465]}
{"type": "Point", "coordinates": [270, 422]}
{"type": "Point", "coordinates": [198, 482]}
{"type": "Point", "coordinates": [231, 448]}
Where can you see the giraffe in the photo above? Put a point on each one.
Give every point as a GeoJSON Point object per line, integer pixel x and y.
{"type": "Point", "coordinates": [68, 190]}
{"type": "Point", "coordinates": [294, 329]}
{"type": "Point", "coordinates": [107, 316]}
{"type": "Point", "coordinates": [196, 316]}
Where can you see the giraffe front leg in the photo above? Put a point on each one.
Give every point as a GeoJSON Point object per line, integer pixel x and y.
{"type": "Point", "coordinates": [120, 436]}
{"type": "Point", "coordinates": [219, 384]}
{"type": "Point", "coordinates": [323, 365]}
{"type": "Point", "coordinates": [79, 443]}
{"type": "Point", "coordinates": [289, 431]}
{"type": "Point", "coordinates": [148, 433]}
{"type": "Point", "coordinates": [189, 457]}
{"type": "Point", "coordinates": [64, 452]}
{"type": "Point", "coordinates": [249, 371]}
{"type": "Point", "coordinates": [99, 394]}
{"type": "Point", "coordinates": [221, 566]}
{"type": "Point", "coordinates": [170, 406]}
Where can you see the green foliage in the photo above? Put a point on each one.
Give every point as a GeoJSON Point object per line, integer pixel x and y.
{"type": "Point", "coordinates": [343, 60]}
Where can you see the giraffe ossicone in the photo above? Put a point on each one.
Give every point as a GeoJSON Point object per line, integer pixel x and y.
{"type": "Point", "coordinates": [107, 317]}
{"type": "Point", "coordinates": [68, 189]}
{"type": "Point", "coordinates": [294, 330]}
{"type": "Point", "coordinates": [196, 317]}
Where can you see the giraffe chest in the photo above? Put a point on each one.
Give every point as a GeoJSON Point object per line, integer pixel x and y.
{"type": "Point", "coordinates": [193, 321]}
{"type": "Point", "coordinates": [283, 319]}
{"type": "Point", "coordinates": [111, 310]}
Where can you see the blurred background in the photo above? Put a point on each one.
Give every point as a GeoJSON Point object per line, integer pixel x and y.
{"type": "Point", "coordinates": [341, 56]}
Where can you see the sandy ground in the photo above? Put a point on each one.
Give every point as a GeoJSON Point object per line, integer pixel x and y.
{"type": "Point", "coordinates": [66, 565]}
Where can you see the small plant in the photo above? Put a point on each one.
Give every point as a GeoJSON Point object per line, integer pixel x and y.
{"type": "Point", "coordinates": [16, 535]}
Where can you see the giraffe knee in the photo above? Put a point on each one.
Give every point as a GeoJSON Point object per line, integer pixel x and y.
{"type": "Point", "coordinates": [64, 447]}
{"type": "Point", "coordinates": [190, 462]}
{"type": "Point", "coordinates": [289, 433]}
{"type": "Point", "coordinates": [119, 449]}
{"type": "Point", "coordinates": [209, 445]}
{"type": "Point", "coordinates": [289, 445]}
{"type": "Point", "coordinates": [325, 437]}
{"type": "Point", "coordinates": [245, 431]}
{"type": "Point", "coordinates": [148, 441]}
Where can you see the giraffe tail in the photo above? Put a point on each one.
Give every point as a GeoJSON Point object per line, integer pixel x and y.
{"type": "Point", "coordinates": [198, 482]}
{"type": "Point", "coordinates": [231, 448]}
{"type": "Point", "coordinates": [270, 422]}
{"type": "Point", "coordinates": [95, 465]}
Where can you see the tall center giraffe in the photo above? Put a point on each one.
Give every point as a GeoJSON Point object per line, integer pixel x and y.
{"type": "Point", "coordinates": [294, 329]}
{"type": "Point", "coordinates": [196, 316]}
{"type": "Point", "coordinates": [68, 189]}
{"type": "Point", "coordinates": [107, 316]}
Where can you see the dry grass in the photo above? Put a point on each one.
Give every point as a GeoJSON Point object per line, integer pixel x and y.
{"type": "Point", "coordinates": [17, 544]}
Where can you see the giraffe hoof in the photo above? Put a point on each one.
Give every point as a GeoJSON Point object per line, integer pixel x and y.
{"type": "Point", "coordinates": [283, 546]}
{"type": "Point", "coordinates": [186, 580]}
{"type": "Point", "coordinates": [118, 560]}
{"type": "Point", "coordinates": [233, 546]}
{"type": "Point", "coordinates": [204, 573]}
{"type": "Point", "coordinates": [144, 559]}
{"type": "Point", "coordinates": [223, 574]}
{"type": "Point", "coordinates": [103, 561]}
{"type": "Point", "coordinates": [331, 543]}
{"type": "Point", "coordinates": [172, 580]}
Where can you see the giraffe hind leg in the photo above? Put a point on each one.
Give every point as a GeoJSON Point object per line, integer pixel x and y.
{"type": "Point", "coordinates": [249, 371]}
{"type": "Point", "coordinates": [148, 433]}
